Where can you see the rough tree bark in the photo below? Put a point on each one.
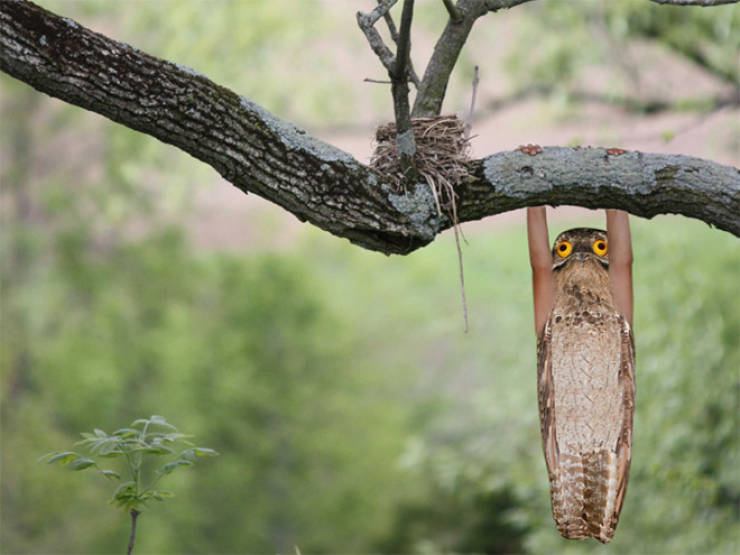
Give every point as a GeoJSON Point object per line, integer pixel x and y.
{"type": "Point", "coordinates": [258, 152]}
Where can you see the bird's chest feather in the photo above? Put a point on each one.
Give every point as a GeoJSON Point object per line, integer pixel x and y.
{"type": "Point", "coordinates": [585, 351]}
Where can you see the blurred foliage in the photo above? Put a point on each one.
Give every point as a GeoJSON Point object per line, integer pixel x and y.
{"type": "Point", "coordinates": [253, 48]}
{"type": "Point", "coordinates": [706, 37]}
{"type": "Point", "coordinates": [709, 38]}
{"type": "Point", "coordinates": [235, 348]}
{"type": "Point", "coordinates": [483, 429]}
{"type": "Point", "coordinates": [350, 411]}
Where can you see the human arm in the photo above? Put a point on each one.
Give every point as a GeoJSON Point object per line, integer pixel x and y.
{"type": "Point", "coordinates": [540, 258]}
{"type": "Point", "coordinates": [620, 261]}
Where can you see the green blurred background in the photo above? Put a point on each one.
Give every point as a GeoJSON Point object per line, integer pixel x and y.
{"type": "Point", "coordinates": [351, 412]}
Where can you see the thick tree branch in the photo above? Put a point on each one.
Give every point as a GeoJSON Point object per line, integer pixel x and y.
{"type": "Point", "coordinates": [640, 183]}
{"type": "Point", "coordinates": [258, 152]}
{"type": "Point", "coordinates": [250, 147]}
{"type": "Point", "coordinates": [703, 3]}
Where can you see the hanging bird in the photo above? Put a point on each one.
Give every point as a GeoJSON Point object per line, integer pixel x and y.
{"type": "Point", "coordinates": [586, 386]}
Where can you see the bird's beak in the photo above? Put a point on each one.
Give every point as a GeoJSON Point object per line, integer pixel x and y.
{"type": "Point", "coordinates": [581, 257]}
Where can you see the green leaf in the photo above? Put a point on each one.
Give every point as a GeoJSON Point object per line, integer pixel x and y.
{"type": "Point", "coordinates": [171, 466]}
{"type": "Point", "coordinates": [81, 464]}
{"type": "Point", "coordinates": [90, 443]}
{"type": "Point", "coordinates": [106, 445]}
{"type": "Point", "coordinates": [164, 493]}
{"type": "Point", "coordinates": [154, 450]}
{"type": "Point", "coordinates": [205, 452]}
{"type": "Point", "coordinates": [132, 443]}
{"type": "Point", "coordinates": [125, 432]}
{"type": "Point", "coordinates": [193, 452]}
{"type": "Point", "coordinates": [161, 494]}
{"type": "Point", "coordinates": [125, 486]}
{"type": "Point", "coordinates": [99, 433]}
{"type": "Point", "coordinates": [160, 421]}
{"type": "Point", "coordinates": [112, 453]}
{"type": "Point", "coordinates": [111, 474]}
{"type": "Point", "coordinates": [65, 458]}
{"type": "Point", "coordinates": [168, 438]}
{"type": "Point", "coordinates": [124, 494]}
{"type": "Point", "coordinates": [62, 457]}
{"type": "Point", "coordinates": [45, 458]}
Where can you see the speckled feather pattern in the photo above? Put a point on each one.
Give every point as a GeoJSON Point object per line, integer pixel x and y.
{"type": "Point", "coordinates": [586, 394]}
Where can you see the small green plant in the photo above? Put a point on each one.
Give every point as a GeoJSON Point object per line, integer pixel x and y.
{"type": "Point", "coordinates": [135, 446]}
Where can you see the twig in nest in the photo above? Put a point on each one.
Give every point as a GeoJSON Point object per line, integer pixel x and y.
{"type": "Point", "coordinates": [441, 159]}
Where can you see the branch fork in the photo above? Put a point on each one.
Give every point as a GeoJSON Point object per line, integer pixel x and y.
{"type": "Point", "coordinates": [399, 70]}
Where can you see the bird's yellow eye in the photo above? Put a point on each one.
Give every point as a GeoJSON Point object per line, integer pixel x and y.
{"type": "Point", "coordinates": [600, 247]}
{"type": "Point", "coordinates": [563, 248]}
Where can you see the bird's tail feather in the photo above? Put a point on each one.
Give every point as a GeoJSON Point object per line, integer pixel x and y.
{"type": "Point", "coordinates": [584, 490]}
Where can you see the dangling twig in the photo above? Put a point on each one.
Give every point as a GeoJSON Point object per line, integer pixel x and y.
{"type": "Point", "coordinates": [433, 188]}
{"type": "Point", "coordinates": [474, 96]}
{"type": "Point", "coordinates": [441, 159]}
{"type": "Point", "coordinates": [456, 228]}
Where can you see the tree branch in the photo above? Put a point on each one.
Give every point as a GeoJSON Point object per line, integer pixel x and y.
{"type": "Point", "coordinates": [367, 25]}
{"type": "Point", "coordinates": [640, 183]}
{"type": "Point", "coordinates": [453, 12]}
{"type": "Point", "coordinates": [631, 104]}
{"type": "Point", "coordinates": [413, 77]}
{"type": "Point", "coordinates": [400, 91]}
{"type": "Point", "coordinates": [258, 152]}
{"type": "Point", "coordinates": [431, 91]}
{"type": "Point", "coordinates": [702, 3]}
{"type": "Point", "coordinates": [399, 68]}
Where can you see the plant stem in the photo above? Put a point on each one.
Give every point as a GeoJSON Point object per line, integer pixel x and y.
{"type": "Point", "coordinates": [138, 456]}
{"type": "Point", "coordinates": [134, 516]}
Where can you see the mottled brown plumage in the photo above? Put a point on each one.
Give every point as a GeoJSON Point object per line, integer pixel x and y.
{"type": "Point", "coordinates": [586, 386]}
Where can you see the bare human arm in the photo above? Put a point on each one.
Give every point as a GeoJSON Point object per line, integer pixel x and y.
{"type": "Point", "coordinates": [620, 261]}
{"type": "Point", "coordinates": [540, 258]}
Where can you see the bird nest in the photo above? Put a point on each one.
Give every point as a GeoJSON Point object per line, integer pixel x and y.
{"type": "Point", "coordinates": [441, 157]}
